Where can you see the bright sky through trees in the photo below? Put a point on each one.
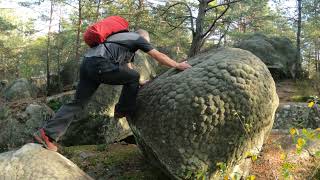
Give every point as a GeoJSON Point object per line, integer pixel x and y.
{"type": "Point", "coordinates": [25, 13]}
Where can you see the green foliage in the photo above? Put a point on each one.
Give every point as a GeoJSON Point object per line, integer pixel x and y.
{"type": "Point", "coordinates": [5, 25]}
{"type": "Point", "coordinates": [299, 98]}
{"type": "Point", "coordinates": [307, 87]}
{"type": "Point", "coordinates": [54, 105]}
{"type": "Point", "coordinates": [252, 16]}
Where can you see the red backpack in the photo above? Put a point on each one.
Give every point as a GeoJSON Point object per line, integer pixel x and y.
{"type": "Point", "coordinates": [98, 32]}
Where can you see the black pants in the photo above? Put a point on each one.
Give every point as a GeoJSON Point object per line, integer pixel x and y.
{"type": "Point", "coordinates": [93, 72]}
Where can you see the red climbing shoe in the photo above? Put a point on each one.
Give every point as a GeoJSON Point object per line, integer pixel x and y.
{"type": "Point", "coordinates": [43, 139]}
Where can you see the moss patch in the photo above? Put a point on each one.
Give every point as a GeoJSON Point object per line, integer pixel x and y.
{"type": "Point", "coordinates": [116, 161]}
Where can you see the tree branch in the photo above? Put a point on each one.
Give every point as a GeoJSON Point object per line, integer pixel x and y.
{"type": "Point", "coordinates": [63, 2]}
{"type": "Point", "coordinates": [190, 13]}
{"type": "Point", "coordinates": [175, 27]}
{"type": "Point", "coordinates": [223, 4]}
{"type": "Point", "coordinates": [215, 21]}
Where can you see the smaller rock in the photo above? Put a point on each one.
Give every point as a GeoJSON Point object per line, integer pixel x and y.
{"type": "Point", "coordinates": [19, 89]}
{"type": "Point", "coordinates": [18, 124]}
{"type": "Point", "coordinates": [34, 162]}
{"type": "Point", "coordinates": [297, 115]}
{"type": "Point", "coordinates": [85, 155]}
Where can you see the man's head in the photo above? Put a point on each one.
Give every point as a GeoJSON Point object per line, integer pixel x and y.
{"type": "Point", "coordinates": [144, 34]}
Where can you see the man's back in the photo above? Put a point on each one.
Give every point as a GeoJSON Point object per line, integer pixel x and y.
{"type": "Point", "coordinates": [120, 47]}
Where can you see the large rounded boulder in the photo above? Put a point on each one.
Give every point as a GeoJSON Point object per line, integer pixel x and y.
{"type": "Point", "coordinates": [215, 112]}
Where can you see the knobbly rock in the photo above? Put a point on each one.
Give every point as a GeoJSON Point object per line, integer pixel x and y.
{"type": "Point", "coordinates": [217, 111]}
{"type": "Point", "coordinates": [34, 162]}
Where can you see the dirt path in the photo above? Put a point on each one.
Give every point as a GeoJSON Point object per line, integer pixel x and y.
{"type": "Point", "coordinates": [285, 90]}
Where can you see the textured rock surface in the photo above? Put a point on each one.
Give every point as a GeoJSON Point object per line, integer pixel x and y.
{"type": "Point", "coordinates": [297, 115]}
{"type": "Point", "coordinates": [19, 121]}
{"type": "Point", "coordinates": [99, 126]}
{"type": "Point", "coordinates": [220, 109]}
{"type": "Point", "coordinates": [19, 89]}
{"type": "Point", "coordinates": [34, 162]}
{"type": "Point", "coordinates": [278, 53]}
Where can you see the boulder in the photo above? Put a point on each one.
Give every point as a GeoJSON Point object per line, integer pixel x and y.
{"type": "Point", "coordinates": [297, 115]}
{"type": "Point", "coordinates": [278, 53]}
{"type": "Point", "coordinates": [215, 112]}
{"type": "Point", "coordinates": [19, 121]}
{"type": "Point", "coordinates": [98, 124]}
{"type": "Point", "coordinates": [34, 162]}
{"type": "Point", "coordinates": [19, 89]}
{"type": "Point", "coordinates": [3, 84]}
{"type": "Point", "coordinates": [69, 73]}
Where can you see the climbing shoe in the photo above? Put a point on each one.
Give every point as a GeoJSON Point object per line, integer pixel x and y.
{"type": "Point", "coordinates": [41, 137]}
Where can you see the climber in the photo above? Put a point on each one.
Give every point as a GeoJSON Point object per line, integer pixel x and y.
{"type": "Point", "coordinates": [107, 63]}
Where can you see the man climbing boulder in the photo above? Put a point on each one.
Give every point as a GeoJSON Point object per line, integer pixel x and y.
{"type": "Point", "coordinates": [106, 63]}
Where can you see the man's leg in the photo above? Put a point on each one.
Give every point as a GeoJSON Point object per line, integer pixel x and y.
{"type": "Point", "coordinates": [58, 125]}
{"type": "Point", "coordinates": [129, 78]}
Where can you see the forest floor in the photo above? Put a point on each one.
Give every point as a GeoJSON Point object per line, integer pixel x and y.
{"type": "Point", "coordinates": [122, 161]}
{"type": "Point", "coordinates": [286, 89]}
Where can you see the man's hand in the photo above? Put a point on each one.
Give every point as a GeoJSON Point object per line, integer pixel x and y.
{"type": "Point", "coordinates": [183, 65]}
{"type": "Point", "coordinates": [129, 65]}
{"type": "Point", "coordinates": [165, 60]}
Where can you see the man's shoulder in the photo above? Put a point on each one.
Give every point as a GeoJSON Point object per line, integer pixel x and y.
{"type": "Point", "coordinates": [124, 36]}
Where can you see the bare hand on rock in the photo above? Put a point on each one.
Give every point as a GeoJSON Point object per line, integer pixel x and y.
{"type": "Point", "coordinates": [183, 65]}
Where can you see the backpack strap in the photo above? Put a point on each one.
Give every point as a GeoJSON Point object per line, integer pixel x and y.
{"type": "Point", "coordinates": [123, 45]}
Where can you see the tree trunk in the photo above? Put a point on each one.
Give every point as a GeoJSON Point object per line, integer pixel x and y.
{"type": "Point", "coordinates": [197, 36]}
{"type": "Point", "coordinates": [59, 53]}
{"type": "Point", "coordinates": [77, 56]}
{"type": "Point", "coordinates": [98, 10]}
{"type": "Point", "coordinates": [138, 14]}
{"type": "Point", "coordinates": [317, 55]}
{"type": "Point", "coordinates": [195, 46]}
{"type": "Point", "coordinates": [298, 56]}
{"type": "Point", "coordinates": [48, 47]}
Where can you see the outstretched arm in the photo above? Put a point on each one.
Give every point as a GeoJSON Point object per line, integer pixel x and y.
{"type": "Point", "coordinates": [165, 60]}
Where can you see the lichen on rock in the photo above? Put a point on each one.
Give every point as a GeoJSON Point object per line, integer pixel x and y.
{"type": "Point", "coordinates": [217, 111]}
